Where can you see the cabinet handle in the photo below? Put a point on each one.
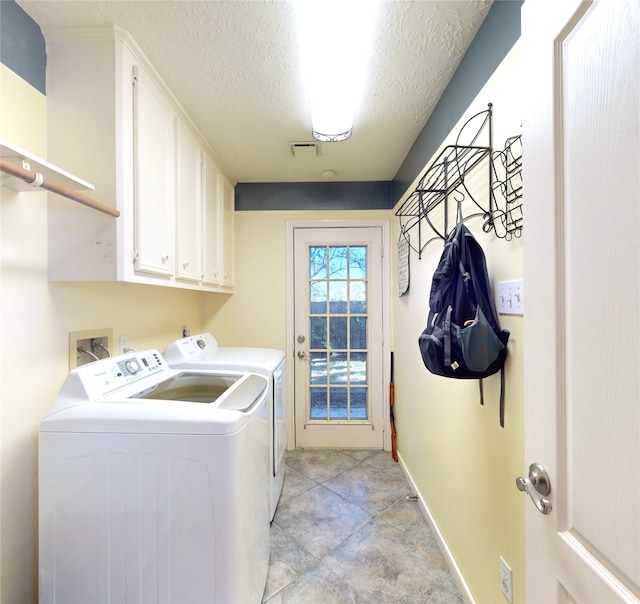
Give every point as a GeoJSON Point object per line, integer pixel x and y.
{"type": "Point", "coordinates": [164, 259]}
{"type": "Point", "coordinates": [185, 264]}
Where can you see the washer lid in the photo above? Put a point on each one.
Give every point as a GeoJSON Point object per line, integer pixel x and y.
{"type": "Point", "coordinates": [207, 388]}
{"type": "Point", "coordinates": [122, 413]}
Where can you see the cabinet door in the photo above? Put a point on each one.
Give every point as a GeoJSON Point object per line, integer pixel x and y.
{"type": "Point", "coordinates": [153, 177]}
{"type": "Point", "coordinates": [228, 208]}
{"type": "Point", "coordinates": [189, 202]}
{"type": "Point", "coordinates": [211, 225]}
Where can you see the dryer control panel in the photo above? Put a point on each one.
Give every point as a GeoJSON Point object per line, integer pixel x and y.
{"type": "Point", "coordinates": [202, 347]}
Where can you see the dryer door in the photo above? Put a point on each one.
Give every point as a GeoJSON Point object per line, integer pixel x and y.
{"type": "Point", "coordinates": [280, 414]}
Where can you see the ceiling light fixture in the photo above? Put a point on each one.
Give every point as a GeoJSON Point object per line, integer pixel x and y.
{"type": "Point", "coordinates": [336, 39]}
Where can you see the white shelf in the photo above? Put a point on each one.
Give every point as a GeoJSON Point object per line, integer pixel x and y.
{"type": "Point", "coordinates": [35, 164]}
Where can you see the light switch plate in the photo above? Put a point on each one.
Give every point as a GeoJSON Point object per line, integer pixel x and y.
{"type": "Point", "coordinates": [510, 297]}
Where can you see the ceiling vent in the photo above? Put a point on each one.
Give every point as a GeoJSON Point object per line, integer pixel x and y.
{"type": "Point", "coordinates": [304, 150]}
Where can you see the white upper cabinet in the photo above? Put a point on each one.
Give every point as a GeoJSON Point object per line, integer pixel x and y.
{"type": "Point", "coordinates": [228, 208]}
{"type": "Point", "coordinates": [217, 233]}
{"type": "Point", "coordinates": [112, 119]}
{"type": "Point", "coordinates": [189, 205]}
{"type": "Point", "coordinates": [211, 225]}
{"type": "Point", "coordinates": [153, 179]}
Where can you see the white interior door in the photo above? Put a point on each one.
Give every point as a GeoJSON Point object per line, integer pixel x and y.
{"type": "Point", "coordinates": [339, 390]}
{"type": "Point", "coordinates": [582, 272]}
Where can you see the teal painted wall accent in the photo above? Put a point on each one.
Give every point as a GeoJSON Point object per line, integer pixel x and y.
{"type": "Point", "coordinates": [22, 45]}
{"type": "Point", "coordinates": [314, 196]}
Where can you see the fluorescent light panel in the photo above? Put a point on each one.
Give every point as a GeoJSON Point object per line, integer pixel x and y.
{"type": "Point", "coordinates": [336, 42]}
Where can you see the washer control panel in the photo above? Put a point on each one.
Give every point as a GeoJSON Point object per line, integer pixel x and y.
{"type": "Point", "coordinates": [141, 363]}
{"type": "Point", "coordinates": [107, 375]}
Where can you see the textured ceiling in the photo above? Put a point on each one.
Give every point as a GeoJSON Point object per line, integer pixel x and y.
{"type": "Point", "coordinates": [233, 66]}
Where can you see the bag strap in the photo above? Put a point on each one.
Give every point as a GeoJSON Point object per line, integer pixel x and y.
{"type": "Point", "coordinates": [446, 328]}
{"type": "Point", "coordinates": [502, 396]}
{"type": "Point", "coordinates": [502, 386]}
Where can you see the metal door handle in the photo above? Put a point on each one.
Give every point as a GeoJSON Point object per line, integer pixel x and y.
{"type": "Point", "coordinates": [301, 354]}
{"type": "Point", "coordinates": [537, 484]}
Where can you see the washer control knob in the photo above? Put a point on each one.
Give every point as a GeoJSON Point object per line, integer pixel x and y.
{"type": "Point", "coordinates": [132, 366]}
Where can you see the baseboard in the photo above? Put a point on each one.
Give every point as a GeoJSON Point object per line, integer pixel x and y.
{"type": "Point", "coordinates": [446, 552]}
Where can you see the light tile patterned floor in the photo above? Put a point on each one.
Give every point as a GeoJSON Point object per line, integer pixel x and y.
{"type": "Point", "coordinates": [344, 532]}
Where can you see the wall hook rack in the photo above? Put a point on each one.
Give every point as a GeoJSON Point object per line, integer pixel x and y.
{"type": "Point", "coordinates": [447, 179]}
{"type": "Point", "coordinates": [506, 165]}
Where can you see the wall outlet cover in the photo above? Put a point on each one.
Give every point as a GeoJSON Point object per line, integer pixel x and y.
{"type": "Point", "coordinates": [506, 584]}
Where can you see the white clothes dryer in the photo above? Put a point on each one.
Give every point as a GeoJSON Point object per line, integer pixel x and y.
{"type": "Point", "coordinates": [202, 351]}
{"type": "Point", "coordinates": [153, 485]}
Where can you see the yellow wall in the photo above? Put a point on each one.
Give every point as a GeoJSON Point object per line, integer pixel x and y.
{"type": "Point", "coordinates": [36, 318]}
{"type": "Point", "coordinates": [260, 275]}
{"type": "Point", "coordinates": [463, 463]}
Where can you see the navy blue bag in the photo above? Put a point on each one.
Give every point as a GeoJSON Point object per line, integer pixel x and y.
{"type": "Point", "coordinates": [463, 338]}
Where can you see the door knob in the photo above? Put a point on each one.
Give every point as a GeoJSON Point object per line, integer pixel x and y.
{"type": "Point", "coordinates": [301, 354]}
{"type": "Point", "coordinates": [535, 485]}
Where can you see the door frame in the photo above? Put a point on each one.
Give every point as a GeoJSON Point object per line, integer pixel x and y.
{"type": "Point", "coordinates": [291, 225]}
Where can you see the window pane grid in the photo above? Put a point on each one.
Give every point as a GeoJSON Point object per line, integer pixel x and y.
{"type": "Point", "coordinates": [338, 321]}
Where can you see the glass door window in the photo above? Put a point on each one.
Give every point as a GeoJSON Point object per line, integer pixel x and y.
{"type": "Point", "coordinates": [338, 333]}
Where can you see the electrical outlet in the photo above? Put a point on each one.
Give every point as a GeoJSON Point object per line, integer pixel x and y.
{"type": "Point", "coordinates": [124, 344]}
{"type": "Point", "coordinates": [506, 580]}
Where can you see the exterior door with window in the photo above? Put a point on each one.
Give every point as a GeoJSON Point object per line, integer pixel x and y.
{"type": "Point", "coordinates": [339, 387]}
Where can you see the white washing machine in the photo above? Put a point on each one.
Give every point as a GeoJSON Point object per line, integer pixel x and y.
{"type": "Point", "coordinates": [202, 351]}
{"type": "Point", "coordinates": [153, 485]}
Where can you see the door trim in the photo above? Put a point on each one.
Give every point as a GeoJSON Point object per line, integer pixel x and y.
{"type": "Point", "coordinates": [291, 225]}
